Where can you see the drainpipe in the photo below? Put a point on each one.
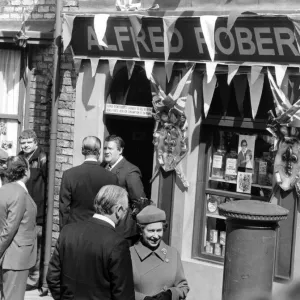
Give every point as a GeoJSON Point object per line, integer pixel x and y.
{"type": "Point", "coordinates": [53, 140]}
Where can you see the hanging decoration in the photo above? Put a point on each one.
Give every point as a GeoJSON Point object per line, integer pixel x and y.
{"type": "Point", "coordinates": [232, 70]}
{"type": "Point", "coordinates": [210, 70]}
{"type": "Point", "coordinates": [169, 68]}
{"type": "Point", "coordinates": [112, 64]}
{"type": "Point", "coordinates": [285, 128]}
{"type": "Point", "coordinates": [170, 140]}
{"type": "Point", "coordinates": [240, 85]}
{"type": "Point", "coordinates": [136, 24]}
{"type": "Point", "coordinates": [208, 92]}
{"type": "Point", "coordinates": [21, 38]}
{"type": "Point", "coordinates": [100, 24]}
{"type": "Point", "coordinates": [256, 86]}
{"type": "Point", "coordinates": [208, 29]}
{"type": "Point", "coordinates": [67, 28]}
{"type": "Point", "coordinates": [169, 25]}
{"type": "Point", "coordinates": [149, 64]}
{"type": "Point", "coordinates": [130, 66]}
{"type": "Point", "coordinates": [280, 71]}
{"type": "Point", "coordinates": [94, 65]}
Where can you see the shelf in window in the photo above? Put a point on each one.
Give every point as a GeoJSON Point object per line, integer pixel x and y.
{"type": "Point", "coordinates": [214, 215]}
{"type": "Point", "coordinates": [269, 187]}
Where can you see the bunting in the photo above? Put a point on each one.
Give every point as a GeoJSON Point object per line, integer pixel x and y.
{"type": "Point", "coordinates": [210, 70]}
{"type": "Point", "coordinates": [280, 71]}
{"type": "Point", "coordinates": [169, 68]}
{"type": "Point", "coordinates": [169, 25]}
{"type": "Point", "coordinates": [77, 64]}
{"type": "Point", "coordinates": [296, 22]}
{"type": "Point", "coordinates": [256, 86]}
{"type": "Point", "coordinates": [100, 24]}
{"type": "Point", "coordinates": [240, 85]}
{"type": "Point", "coordinates": [208, 91]}
{"type": "Point", "coordinates": [67, 28]}
{"type": "Point", "coordinates": [232, 70]}
{"type": "Point", "coordinates": [136, 26]}
{"type": "Point", "coordinates": [208, 29]}
{"type": "Point", "coordinates": [232, 17]}
{"type": "Point", "coordinates": [149, 64]}
{"type": "Point", "coordinates": [130, 66]}
{"type": "Point", "coordinates": [255, 72]}
{"type": "Point", "coordinates": [94, 65]}
{"type": "Point", "coordinates": [112, 64]}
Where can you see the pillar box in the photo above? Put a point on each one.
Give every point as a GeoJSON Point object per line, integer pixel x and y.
{"type": "Point", "coordinates": [250, 248]}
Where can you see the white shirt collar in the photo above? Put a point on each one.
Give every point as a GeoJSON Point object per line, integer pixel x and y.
{"type": "Point", "coordinates": [105, 219]}
{"type": "Point", "coordinates": [22, 184]}
{"type": "Point", "coordinates": [119, 159]}
{"type": "Point", "coordinates": [91, 159]}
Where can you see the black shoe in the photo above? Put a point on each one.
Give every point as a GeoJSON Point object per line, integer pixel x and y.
{"type": "Point", "coordinates": [30, 287]}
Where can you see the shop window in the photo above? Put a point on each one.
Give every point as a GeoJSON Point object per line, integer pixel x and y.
{"type": "Point", "coordinates": [10, 104]}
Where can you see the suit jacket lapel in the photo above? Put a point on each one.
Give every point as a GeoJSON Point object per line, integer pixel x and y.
{"type": "Point", "coordinates": [120, 165]}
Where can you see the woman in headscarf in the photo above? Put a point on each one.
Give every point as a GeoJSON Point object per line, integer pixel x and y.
{"type": "Point", "coordinates": [157, 268]}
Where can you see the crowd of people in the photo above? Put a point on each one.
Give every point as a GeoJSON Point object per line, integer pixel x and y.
{"type": "Point", "coordinates": [110, 244]}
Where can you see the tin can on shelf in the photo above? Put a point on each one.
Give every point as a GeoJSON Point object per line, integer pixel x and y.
{"type": "Point", "coordinates": [209, 248]}
{"type": "Point", "coordinates": [222, 237]}
{"type": "Point", "coordinates": [217, 249]}
{"type": "Point", "coordinates": [213, 236]}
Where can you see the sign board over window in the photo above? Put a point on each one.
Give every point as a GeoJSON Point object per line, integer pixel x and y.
{"type": "Point", "coordinates": [128, 110]}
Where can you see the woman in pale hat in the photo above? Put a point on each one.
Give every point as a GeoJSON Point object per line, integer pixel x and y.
{"type": "Point", "coordinates": [157, 268]}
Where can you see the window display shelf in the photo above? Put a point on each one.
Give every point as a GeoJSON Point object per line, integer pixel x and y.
{"type": "Point", "coordinates": [234, 182]}
{"type": "Point", "coordinates": [215, 215]}
{"type": "Point", "coordinates": [235, 195]}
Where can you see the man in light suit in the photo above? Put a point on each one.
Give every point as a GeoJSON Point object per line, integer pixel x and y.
{"type": "Point", "coordinates": [129, 177]}
{"type": "Point", "coordinates": [91, 261]}
{"type": "Point", "coordinates": [80, 184]}
{"type": "Point", "coordinates": [18, 245]}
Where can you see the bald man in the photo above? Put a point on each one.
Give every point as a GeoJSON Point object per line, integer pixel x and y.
{"type": "Point", "coordinates": [80, 184]}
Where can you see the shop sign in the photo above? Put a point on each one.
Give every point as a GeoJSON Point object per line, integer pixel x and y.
{"type": "Point", "coordinates": [128, 110]}
{"type": "Point", "coordinates": [256, 39]}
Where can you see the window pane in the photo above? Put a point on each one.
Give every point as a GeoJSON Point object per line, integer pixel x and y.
{"type": "Point", "coordinates": [10, 61]}
{"type": "Point", "coordinates": [9, 136]}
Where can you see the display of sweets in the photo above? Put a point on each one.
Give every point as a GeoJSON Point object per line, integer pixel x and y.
{"type": "Point", "coordinates": [217, 249]}
{"type": "Point", "coordinates": [222, 237]}
{"type": "Point", "coordinates": [231, 166]}
{"type": "Point", "coordinates": [213, 236]}
{"type": "Point", "coordinates": [218, 163]}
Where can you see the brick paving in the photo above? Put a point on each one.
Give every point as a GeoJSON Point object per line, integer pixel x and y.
{"type": "Point", "coordinates": [34, 295]}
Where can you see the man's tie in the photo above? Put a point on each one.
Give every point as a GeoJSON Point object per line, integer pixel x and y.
{"type": "Point", "coordinates": [108, 167]}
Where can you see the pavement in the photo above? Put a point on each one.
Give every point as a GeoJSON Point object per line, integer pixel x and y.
{"type": "Point", "coordinates": [34, 295]}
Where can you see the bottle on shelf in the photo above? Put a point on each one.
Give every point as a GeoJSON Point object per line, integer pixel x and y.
{"type": "Point", "coordinates": [218, 163]}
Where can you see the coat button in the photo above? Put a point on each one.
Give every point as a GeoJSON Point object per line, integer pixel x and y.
{"type": "Point", "coordinates": [167, 260]}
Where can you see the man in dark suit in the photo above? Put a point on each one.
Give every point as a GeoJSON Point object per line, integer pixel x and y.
{"type": "Point", "coordinates": [80, 184]}
{"type": "Point", "coordinates": [91, 261]}
{"type": "Point", "coordinates": [18, 244]}
{"type": "Point", "coordinates": [129, 177]}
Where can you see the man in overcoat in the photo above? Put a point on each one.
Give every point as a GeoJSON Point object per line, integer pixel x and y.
{"type": "Point", "coordinates": [80, 184]}
{"type": "Point", "coordinates": [129, 177]}
{"type": "Point", "coordinates": [91, 261]}
{"type": "Point", "coordinates": [18, 245]}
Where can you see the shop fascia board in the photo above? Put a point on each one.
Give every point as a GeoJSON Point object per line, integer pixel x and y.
{"type": "Point", "coordinates": [39, 32]}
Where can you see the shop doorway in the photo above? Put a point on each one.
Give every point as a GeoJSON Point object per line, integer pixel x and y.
{"type": "Point", "coordinates": [137, 135]}
{"type": "Point", "coordinates": [137, 132]}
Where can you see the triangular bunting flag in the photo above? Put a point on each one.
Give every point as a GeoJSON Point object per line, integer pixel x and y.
{"type": "Point", "coordinates": [208, 92]}
{"type": "Point", "coordinates": [240, 85]}
{"type": "Point", "coordinates": [67, 28]}
{"type": "Point", "coordinates": [77, 64]}
{"type": "Point", "coordinates": [210, 70]}
{"type": "Point", "coordinates": [208, 29]}
{"type": "Point", "coordinates": [225, 92]}
{"type": "Point", "coordinates": [256, 88]}
{"type": "Point", "coordinates": [130, 66]}
{"type": "Point", "coordinates": [255, 72]}
{"type": "Point", "coordinates": [169, 68]}
{"type": "Point", "coordinates": [94, 65]}
{"type": "Point", "coordinates": [280, 71]}
{"type": "Point", "coordinates": [282, 104]}
{"type": "Point", "coordinates": [232, 70]}
{"type": "Point", "coordinates": [149, 64]}
{"type": "Point", "coordinates": [232, 17]}
{"type": "Point", "coordinates": [112, 64]}
{"type": "Point", "coordinates": [169, 25]}
{"type": "Point", "coordinates": [100, 24]}
{"type": "Point", "coordinates": [136, 24]}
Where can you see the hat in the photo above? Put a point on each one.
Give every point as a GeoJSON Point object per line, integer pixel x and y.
{"type": "Point", "coordinates": [150, 214]}
{"type": "Point", "coordinates": [3, 155]}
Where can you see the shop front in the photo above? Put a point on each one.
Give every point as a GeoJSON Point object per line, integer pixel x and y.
{"type": "Point", "coordinates": [199, 89]}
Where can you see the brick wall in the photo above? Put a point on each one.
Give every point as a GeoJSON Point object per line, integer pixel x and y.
{"type": "Point", "coordinates": [65, 134]}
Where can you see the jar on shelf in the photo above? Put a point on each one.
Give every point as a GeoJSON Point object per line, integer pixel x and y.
{"type": "Point", "coordinates": [262, 177]}
{"type": "Point", "coordinates": [231, 166]}
{"type": "Point", "coordinates": [218, 163]}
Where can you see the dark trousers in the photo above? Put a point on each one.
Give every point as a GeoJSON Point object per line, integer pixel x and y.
{"type": "Point", "coordinates": [34, 277]}
{"type": "Point", "coordinates": [13, 284]}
